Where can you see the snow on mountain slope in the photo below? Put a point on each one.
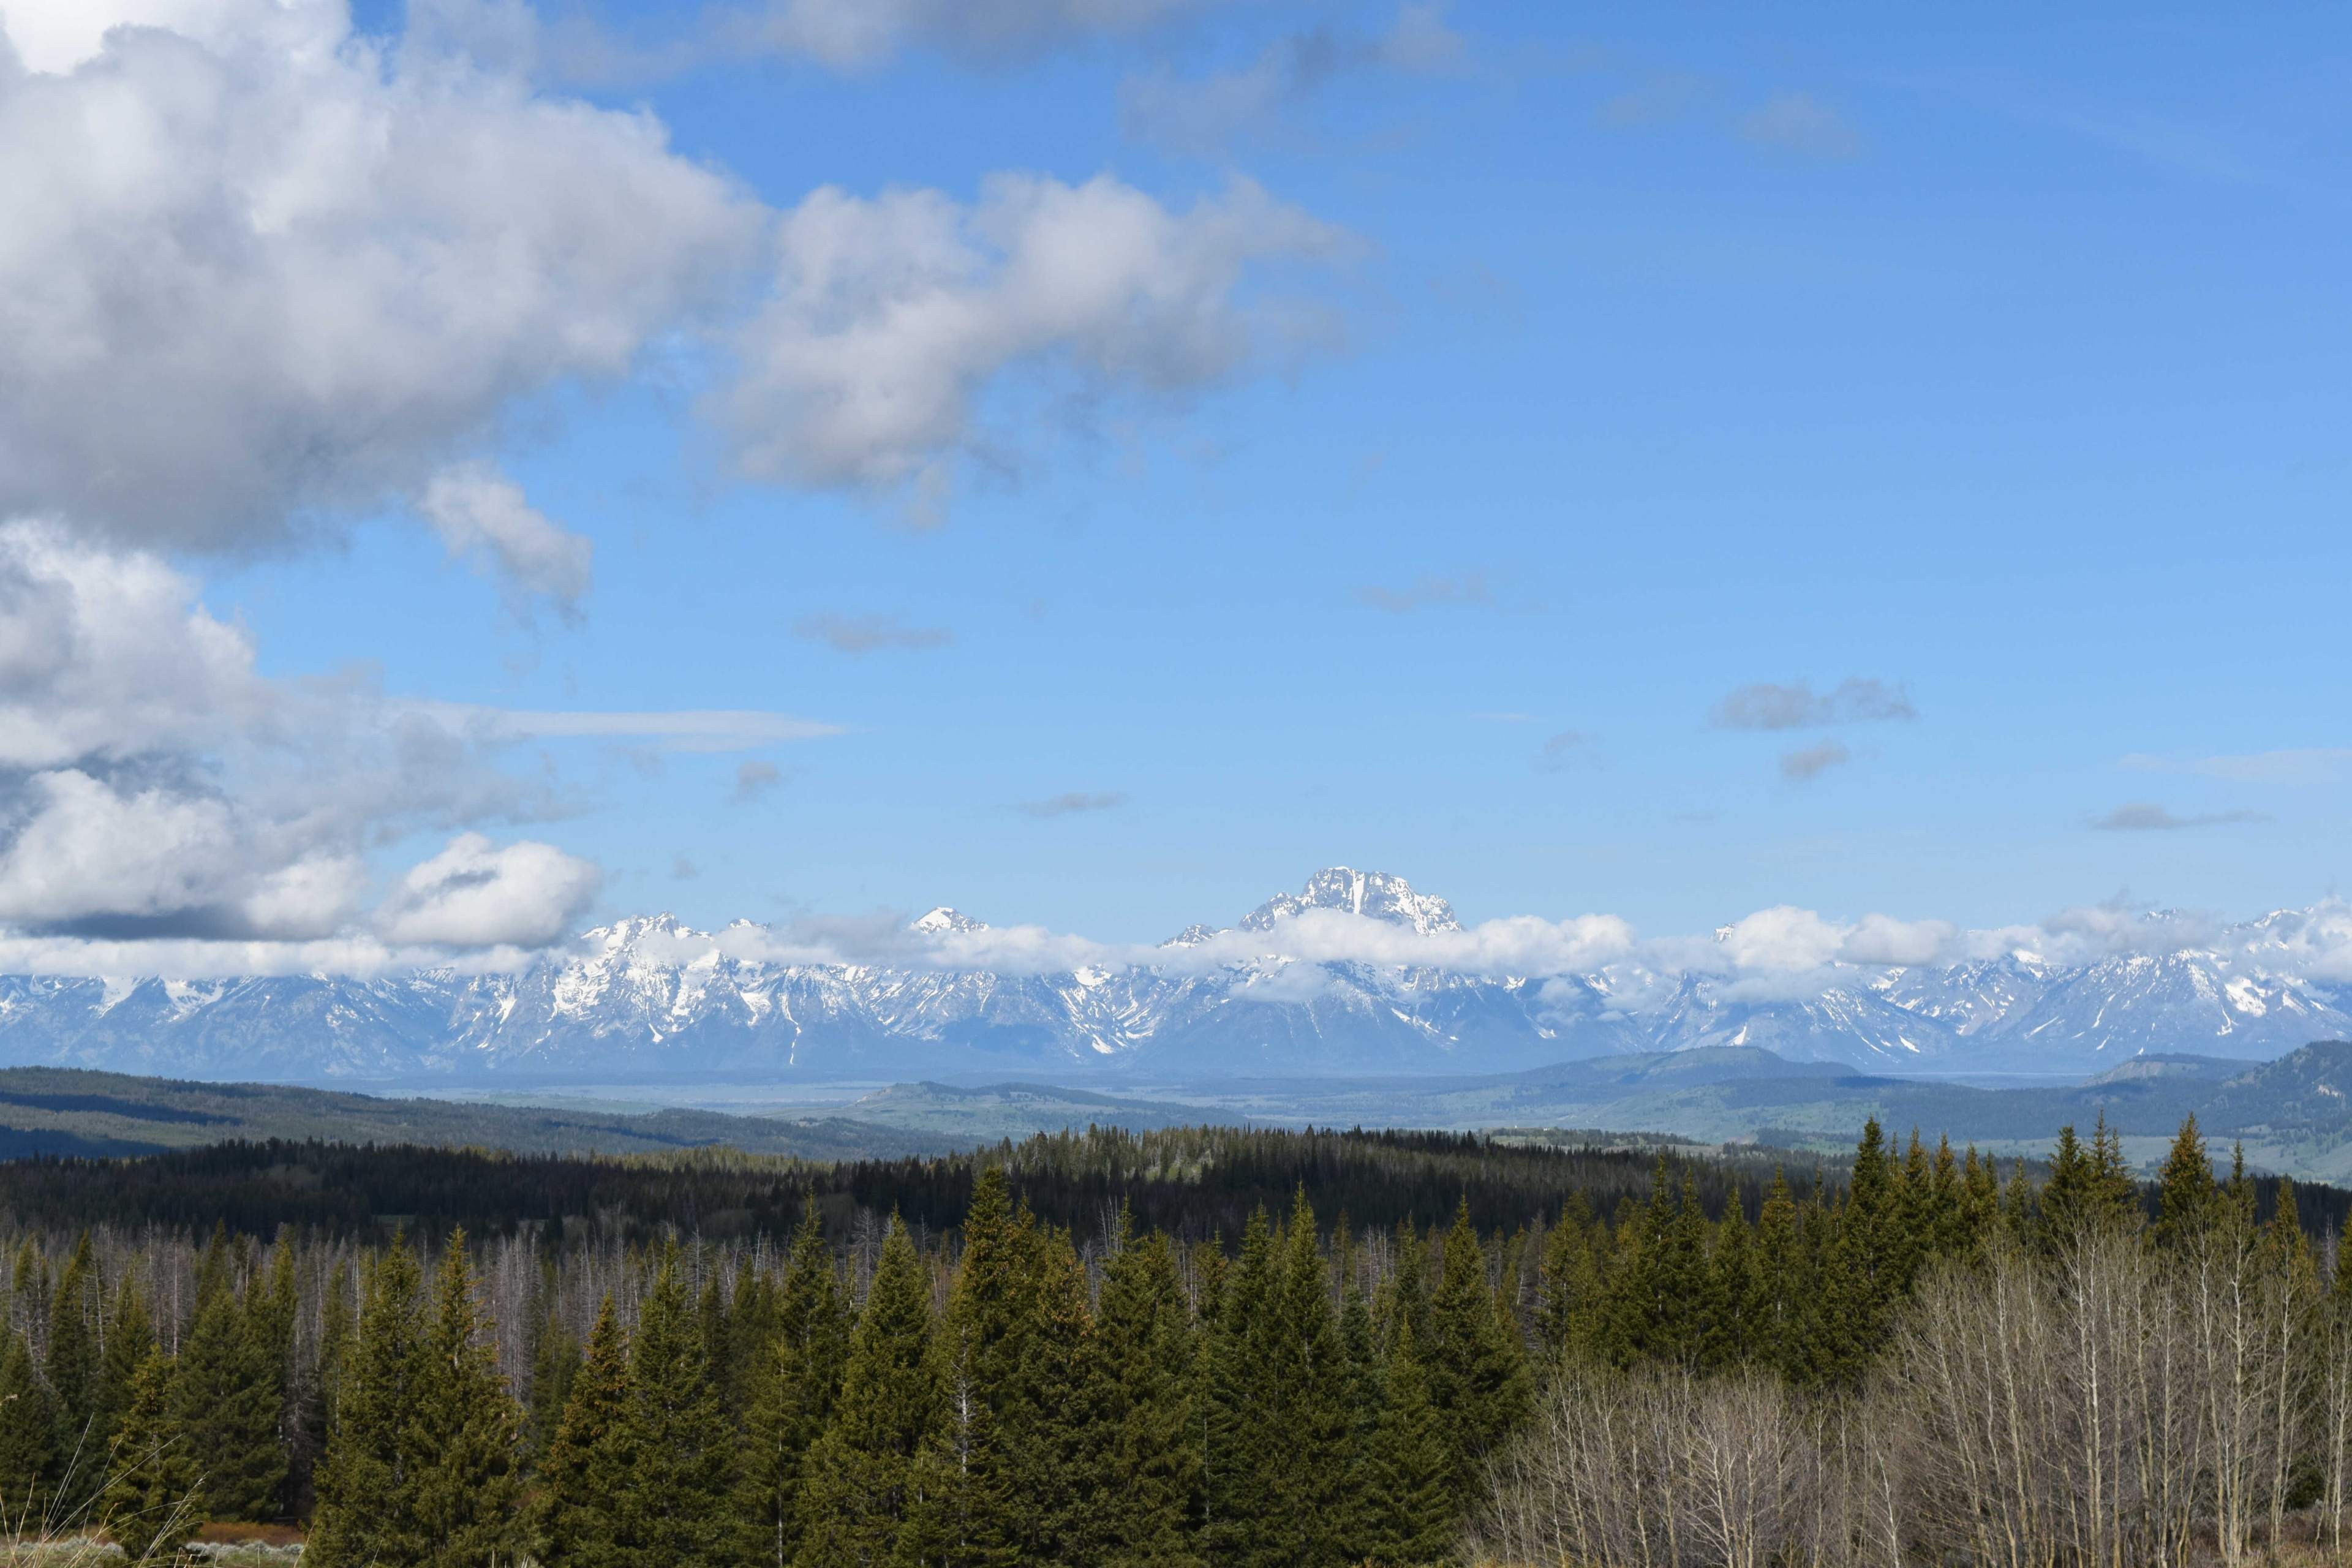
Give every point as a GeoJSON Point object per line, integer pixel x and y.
{"type": "Point", "coordinates": [648, 998]}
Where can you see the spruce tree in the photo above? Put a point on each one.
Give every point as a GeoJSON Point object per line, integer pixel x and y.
{"type": "Point", "coordinates": [463, 1435]}
{"type": "Point", "coordinates": [1298, 1350]}
{"type": "Point", "coordinates": [1569, 1283]}
{"type": "Point", "coordinates": [678, 1510]}
{"type": "Point", "coordinates": [367, 1478]}
{"type": "Point", "coordinates": [28, 1431]}
{"type": "Point", "coordinates": [72, 1368]}
{"type": "Point", "coordinates": [859, 1486]}
{"type": "Point", "coordinates": [229, 1395]}
{"type": "Point", "coordinates": [1477, 1374]}
{"type": "Point", "coordinates": [797, 1378]}
{"type": "Point", "coordinates": [149, 1506]}
{"type": "Point", "coordinates": [1241, 1434]}
{"type": "Point", "coordinates": [130, 1340]}
{"type": "Point", "coordinates": [554, 1363]}
{"type": "Point", "coordinates": [1143, 1345]}
{"type": "Point", "coordinates": [1411, 1473]}
{"type": "Point", "coordinates": [589, 1467]}
{"type": "Point", "coordinates": [2186, 1191]}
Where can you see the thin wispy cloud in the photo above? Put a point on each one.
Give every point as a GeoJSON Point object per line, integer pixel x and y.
{"type": "Point", "coordinates": [678, 730]}
{"type": "Point", "coordinates": [2147, 816]}
{"type": "Point", "coordinates": [869, 633]}
{"type": "Point", "coordinates": [1076, 803]}
{"type": "Point", "coordinates": [1800, 123]}
{"type": "Point", "coordinates": [1659, 100]}
{"type": "Point", "coordinates": [1764, 705]}
{"type": "Point", "coordinates": [2299, 765]}
{"type": "Point", "coordinates": [1466, 589]}
{"type": "Point", "coordinates": [1568, 751]}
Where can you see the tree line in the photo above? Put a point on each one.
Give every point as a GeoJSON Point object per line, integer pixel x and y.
{"type": "Point", "coordinates": [1028, 1387]}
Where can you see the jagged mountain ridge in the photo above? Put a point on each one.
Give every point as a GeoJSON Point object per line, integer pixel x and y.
{"type": "Point", "coordinates": [623, 1002]}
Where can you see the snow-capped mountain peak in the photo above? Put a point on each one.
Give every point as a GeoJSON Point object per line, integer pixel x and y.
{"type": "Point", "coordinates": [1375, 894]}
{"type": "Point", "coordinates": [944, 919]}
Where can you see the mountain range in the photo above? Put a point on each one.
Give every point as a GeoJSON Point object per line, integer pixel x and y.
{"type": "Point", "coordinates": [647, 1000]}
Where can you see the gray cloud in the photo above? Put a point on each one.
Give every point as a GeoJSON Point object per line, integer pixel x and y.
{"type": "Point", "coordinates": [682, 870]}
{"type": "Point", "coordinates": [756, 780]}
{"type": "Point", "coordinates": [1570, 748]}
{"type": "Point", "coordinates": [1811, 762]}
{"type": "Point", "coordinates": [1796, 706]}
{"type": "Point", "coordinates": [1800, 123]}
{"type": "Point", "coordinates": [1075, 802]}
{"type": "Point", "coordinates": [2147, 816]}
{"type": "Point", "coordinates": [1201, 114]}
{"type": "Point", "coordinates": [1466, 588]}
{"type": "Point", "coordinates": [482, 515]}
{"type": "Point", "coordinates": [868, 633]}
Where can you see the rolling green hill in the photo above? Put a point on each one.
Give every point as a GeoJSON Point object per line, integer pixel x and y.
{"type": "Point", "coordinates": [58, 1111]}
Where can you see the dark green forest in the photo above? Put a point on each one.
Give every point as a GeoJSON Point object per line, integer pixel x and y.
{"type": "Point", "coordinates": [1208, 1346]}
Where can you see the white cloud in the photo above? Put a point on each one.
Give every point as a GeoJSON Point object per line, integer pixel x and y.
{"type": "Point", "coordinates": [892, 313]}
{"type": "Point", "coordinates": [676, 730]}
{"type": "Point", "coordinates": [477, 894]}
{"type": "Point", "coordinates": [256, 272]}
{"type": "Point", "coordinates": [484, 517]}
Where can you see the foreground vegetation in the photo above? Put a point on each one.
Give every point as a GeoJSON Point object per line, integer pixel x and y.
{"type": "Point", "coordinates": [1177, 1348]}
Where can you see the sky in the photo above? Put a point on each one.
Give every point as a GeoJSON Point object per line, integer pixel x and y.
{"type": "Point", "coordinates": [472, 469]}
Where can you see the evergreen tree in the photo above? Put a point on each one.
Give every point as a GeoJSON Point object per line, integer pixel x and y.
{"type": "Point", "coordinates": [1782, 1287]}
{"type": "Point", "coordinates": [75, 1310]}
{"type": "Point", "coordinates": [228, 1397]}
{"type": "Point", "coordinates": [554, 1363]}
{"type": "Point", "coordinates": [678, 1508]}
{"type": "Point", "coordinates": [1151, 1481]}
{"type": "Point", "coordinates": [1411, 1472]}
{"type": "Point", "coordinates": [1734, 1328]}
{"type": "Point", "coordinates": [1477, 1374]}
{"type": "Point", "coordinates": [1296, 1350]}
{"type": "Point", "coordinates": [148, 1504]}
{"type": "Point", "coordinates": [1242, 1439]}
{"type": "Point", "coordinates": [367, 1479]}
{"type": "Point", "coordinates": [1569, 1283]}
{"type": "Point", "coordinates": [585, 1477]}
{"type": "Point", "coordinates": [2068, 1197]}
{"type": "Point", "coordinates": [2186, 1191]}
{"type": "Point", "coordinates": [130, 1340]}
{"type": "Point", "coordinates": [791, 1396]}
{"type": "Point", "coordinates": [464, 1432]}
{"type": "Point", "coordinates": [29, 1430]}
{"type": "Point", "coordinates": [860, 1485]}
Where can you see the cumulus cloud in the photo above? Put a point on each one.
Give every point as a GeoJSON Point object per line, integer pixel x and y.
{"type": "Point", "coordinates": [481, 515]}
{"type": "Point", "coordinates": [1073, 804]}
{"type": "Point", "coordinates": [1763, 705]}
{"type": "Point", "coordinates": [1810, 762]}
{"type": "Point", "coordinates": [2147, 816]}
{"type": "Point", "coordinates": [1465, 588]}
{"type": "Point", "coordinates": [868, 633]}
{"type": "Point", "coordinates": [255, 273]}
{"type": "Point", "coordinates": [1800, 123]}
{"type": "Point", "coordinates": [476, 893]}
{"type": "Point", "coordinates": [1201, 114]}
{"type": "Point", "coordinates": [890, 314]}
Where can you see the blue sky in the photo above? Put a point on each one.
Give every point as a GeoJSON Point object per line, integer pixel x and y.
{"type": "Point", "coordinates": [1994, 359]}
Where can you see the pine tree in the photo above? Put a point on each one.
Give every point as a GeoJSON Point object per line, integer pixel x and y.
{"type": "Point", "coordinates": [367, 1477]}
{"type": "Point", "coordinates": [1569, 1283]}
{"type": "Point", "coordinates": [1478, 1379]}
{"type": "Point", "coordinates": [1780, 1279]}
{"type": "Point", "coordinates": [464, 1432]}
{"type": "Point", "coordinates": [148, 1504]}
{"type": "Point", "coordinates": [1734, 1327]}
{"type": "Point", "coordinates": [677, 1511]}
{"type": "Point", "coordinates": [860, 1486]}
{"type": "Point", "coordinates": [28, 1428]}
{"type": "Point", "coordinates": [1241, 1434]}
{"type": "Point", "coordinates": [2068, 1197]}
{"type": "Point", "coordinates": [791, 1396]}
{"type": "Point", "coordinates": [1143, 1347]}
{"type": "Point", "coordinates": [130, 1340]}
{"type": "Point", "coordinates": [585, 1477]}
{"type": "Point", "coordinates": [1296, 1349]}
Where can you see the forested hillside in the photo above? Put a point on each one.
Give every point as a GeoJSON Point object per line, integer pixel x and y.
{"type": "Point", "coordinates": [1207, 1347]}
